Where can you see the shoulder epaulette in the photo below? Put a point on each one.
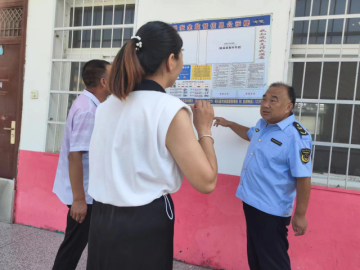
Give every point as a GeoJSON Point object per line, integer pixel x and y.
{"type": "Point", "coordinates": [300, 129]}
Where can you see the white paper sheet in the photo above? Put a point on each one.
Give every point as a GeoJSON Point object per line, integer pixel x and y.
{"type": "Point", "coordinates": [191, 45]}
{"type": "Point", "coordinates": [231, 46]}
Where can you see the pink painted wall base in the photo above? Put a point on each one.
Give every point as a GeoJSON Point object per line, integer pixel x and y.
{"type": "Point", "coordinates": [35, 204]}
{"type": "Point", "coordinates": [210, 229]}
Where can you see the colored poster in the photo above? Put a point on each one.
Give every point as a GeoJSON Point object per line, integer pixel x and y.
{"type": "Point", "coordinates": [201, 72]}
{"type": "Point", "coordinates": [226, 60]}
{"type": "Point", "coordinates": [185, 74]}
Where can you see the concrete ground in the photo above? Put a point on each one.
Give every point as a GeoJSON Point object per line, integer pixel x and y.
{"type": "Point", "coordinates": [25, 248]}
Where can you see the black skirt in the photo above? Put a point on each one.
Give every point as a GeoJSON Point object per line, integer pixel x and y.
{"type": "Point", "coordinates": [132, 238]}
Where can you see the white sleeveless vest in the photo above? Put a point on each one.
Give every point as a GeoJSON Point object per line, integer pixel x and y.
{"type": "Point", "coordinates": [130, 164]}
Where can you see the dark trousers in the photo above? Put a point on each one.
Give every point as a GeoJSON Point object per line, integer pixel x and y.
{"type": "Point", "coordinates": [267, 243]}
{"type": "Point", "coordinates": [131, 238]}
{"type": "Point", "coordinates": [75, 241]}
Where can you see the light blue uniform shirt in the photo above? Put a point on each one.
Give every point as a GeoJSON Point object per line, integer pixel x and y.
{"type": "Point", "coordinates": [277, 154]}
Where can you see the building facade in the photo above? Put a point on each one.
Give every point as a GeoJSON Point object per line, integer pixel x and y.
{"type": "Point", "coordinates": [315, 46]}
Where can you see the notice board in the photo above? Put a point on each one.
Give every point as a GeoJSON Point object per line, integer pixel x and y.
{"type": "Point", "coordinates": [226, 61]}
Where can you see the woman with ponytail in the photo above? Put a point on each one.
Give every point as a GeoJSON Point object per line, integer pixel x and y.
{"type": "Point", "coordinates": [142, 146]}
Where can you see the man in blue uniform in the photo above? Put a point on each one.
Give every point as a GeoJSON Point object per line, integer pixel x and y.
{"type": "Point", "coordinates": [277, 168]}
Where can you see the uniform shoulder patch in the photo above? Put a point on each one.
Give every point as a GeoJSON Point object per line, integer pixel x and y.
{"type": "Point", "coordinates": [305, 155]}
{"type": "Point", "coordinates": [300, 129]}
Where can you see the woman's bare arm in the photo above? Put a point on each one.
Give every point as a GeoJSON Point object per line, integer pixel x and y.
{"type": "Point", "coordinates": [196, 160]}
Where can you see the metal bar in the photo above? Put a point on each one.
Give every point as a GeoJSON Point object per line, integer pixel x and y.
{"type": "Point", "coordinates": [70, 60]}
{"type": "Point", "coordinates": [329, 169]}
{"type": "Point", "coordinates": [321, 76]}
{"type": "Point", "coordinates": [289, 41]}
{"type": "Point", "coordinates": [340, 145]}
{"type": "Point", "coordinates": [62, 47]}
{"type": "Point", "coordinates": [343, 31]}
{"type": "Point", "coordinates": [112, 30]}
{"type": "Point", "coordinates": [313, 18]}
{"type": "Point", "coordinates": [72, 32]}
{"type": "Point", "coordinates": [329, 46]}
{"type": "Point", "coordinates": [304, 72]}
{"type": "Point", "coordinates": [82, 24]}
{"type": "Point", "coordinates": [317, 31]}
{"type": "Point", "coordinates": [67, 104]}
{"type": "Point", "coordinates": [65, 92]}
{"type": "Point", "coordinates": [302, 90]}
{"type": "Point", "coordinates": [78, 82]}
{"type": "Point", "coordinates": [359, 50]}
{"type": "Point", "coordinates": [354, 102]}
{"type": "Point", "coordinates": [60, 74]}
{"type": "Point", "coordinates": [347, 169]}
{"type": "Point", "coordinates": [308, 34]}
{"type": "Point", "coordinates": [64, 13]}
{"type": "Point", "coordinates": [326, 29]}
{"type": "Point", "coordinates": [59, 106]}
{"type": "Point", "coordinates": [136, 16]}
{"type": "Point", "coordinates": [102, 24]}
{"type": "Point", "coordinates": [347, 29]}
{"type": "Point", "coordinates": [348, 9]}
{"type": "Point", "coordinates": [92, 24]}
{"type": "Point", "coordinates": [321, 3]}
{"type": "Point", "coordinates": [95, 27]}
{"type": "Point", "coordinates": [329, 101]}
{"type": "Point", "coordinates": [313, 158]}
{"type": "Point", "coordinates": [56, 123]}
{"type": "Point", "coordinates": [351, 125]}
{"type": "Point", "coordinates": [60, 77]}
{"type": "Point", "coordinates": [67, 73]}
{"type": "Point", "coordinates": [318, 107]}
{"type": "Point", "coordinates": [335, 5]}
{"type": "Point", "coordinates": [57, 112]}
{"type": "Point", "coordinates": [353, 59]}
{"type": "Point", "coordinates": [338, 81]}
{"type": "Point", "coordinates": [332, 30]}
{"type": "Point", "coordinates": [51, 73]}
{"type": "Point", "coordinates": [123, 31]}
{"type": "Point", "coordinates": [333, 125]}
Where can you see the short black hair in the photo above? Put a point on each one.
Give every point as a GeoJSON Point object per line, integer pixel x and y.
{"type": "Point", "coordinates": [291, 91]}
{"type": "Point", "coordinates": [93, 71]}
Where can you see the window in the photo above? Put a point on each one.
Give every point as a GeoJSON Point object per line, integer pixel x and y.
{"type": "Point", "coordinates": [98, 17]}
{"type": "Point", "coordinates": [84, 30]}
{"type": "Point", "coordinates": [10, 22]}
{"type": "Point", "coordinates": [323, 68]}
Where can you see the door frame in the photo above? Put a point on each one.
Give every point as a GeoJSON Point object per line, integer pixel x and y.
{"type": "Point", "coordinates": [22, 42]}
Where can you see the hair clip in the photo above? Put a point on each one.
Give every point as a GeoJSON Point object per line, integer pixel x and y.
{"type": "Point", "coordinates": [136, 37]}
{"type": "Point", "coordinates": [138, 44]}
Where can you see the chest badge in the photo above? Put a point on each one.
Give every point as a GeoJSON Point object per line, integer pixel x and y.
{"type": "Point", "coordinates": [305, 155]}
{"type": "Point", "coordinates": [257, 130]}
{"type": "Point", "coordinates": [276, 142]}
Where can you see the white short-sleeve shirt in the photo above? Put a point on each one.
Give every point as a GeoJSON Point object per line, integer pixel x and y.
{"type": "Point", "coordinates": [130, 164]}
{"type": "Point", "coordinates": [77, 136]}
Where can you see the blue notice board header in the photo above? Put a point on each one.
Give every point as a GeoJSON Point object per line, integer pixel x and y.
{"type": "Point", "coordinates": [222, 24]}
{"type": "Point", "coordinates": [218, 101]}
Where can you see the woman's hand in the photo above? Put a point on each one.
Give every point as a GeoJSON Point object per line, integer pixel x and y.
{"type": "Point", "coordinates": [203, 117]}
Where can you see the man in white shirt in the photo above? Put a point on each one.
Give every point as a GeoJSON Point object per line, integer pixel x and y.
{"type": "Point", "coordinates": [72, 176]}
